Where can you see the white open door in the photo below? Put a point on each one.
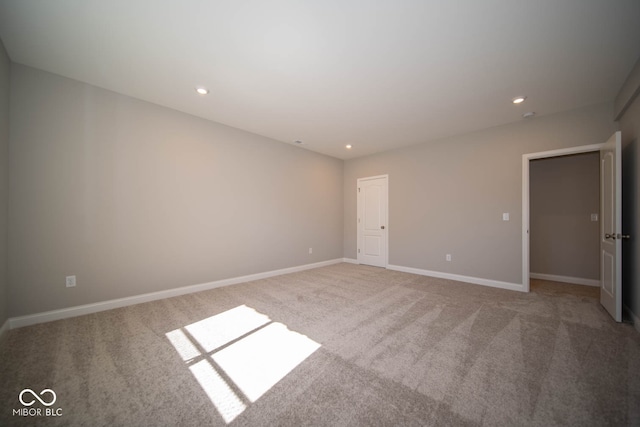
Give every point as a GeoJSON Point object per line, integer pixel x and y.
{"type": "Point", "coordinates": [372, 221]}
{"type": "Point", "coordinates": [611, 226]}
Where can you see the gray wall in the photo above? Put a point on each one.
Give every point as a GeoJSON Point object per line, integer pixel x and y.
{"type": "Point", "coordinates": [449, 196]}
{"type": "Point", "coordinates": [630, 127]}
{"type": "Point", "coordinates": [4, 178]}
{"type": "Point", "coordinates": [132, 197]}
{"type": "Point", "coordinates": [564, 192]}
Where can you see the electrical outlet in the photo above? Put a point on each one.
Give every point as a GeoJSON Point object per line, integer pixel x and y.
{"type": "Point", "coordinates": [448, 257]}
{"type": "Point", "coordinates": [310, 251]}
{"type": "Point", "coordinates": [70, 281]}
{"type": "Point", "coordinates": [505, 216]}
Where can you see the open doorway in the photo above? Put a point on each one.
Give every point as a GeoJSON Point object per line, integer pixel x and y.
{"type": "Point", "coordinates": [564, 194]}
{"type": "Point", "coordinates": [526, 163]}
{"type": "Point", "coordinates": [610, 218]}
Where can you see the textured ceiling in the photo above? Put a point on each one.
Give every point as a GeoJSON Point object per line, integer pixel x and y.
{"type": "Point", "coordinates": [377, 75]}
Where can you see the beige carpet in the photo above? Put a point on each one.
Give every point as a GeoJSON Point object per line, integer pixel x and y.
{"type": "Point", "coordinates": [340, 345]}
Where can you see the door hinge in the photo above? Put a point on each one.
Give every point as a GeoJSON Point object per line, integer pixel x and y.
{"type": "Point", "coordinates": [358, 189]}
{"type": "Point", "coordinates": [358, 250]}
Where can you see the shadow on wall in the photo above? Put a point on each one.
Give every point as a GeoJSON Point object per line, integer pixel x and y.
{"type": "Point", "coordinates": [629, 218]}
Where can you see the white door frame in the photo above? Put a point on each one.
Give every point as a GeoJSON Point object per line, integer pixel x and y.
{"type": "Point", "coordinates": [525, 197]}
{"type": "Point", "coordinates": [358, 232]}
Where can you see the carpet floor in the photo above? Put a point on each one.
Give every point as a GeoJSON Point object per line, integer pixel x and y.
{"type": "Point", "coordinates": [343, 345]}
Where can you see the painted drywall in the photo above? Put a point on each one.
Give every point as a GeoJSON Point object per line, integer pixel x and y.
{"type": "Point", "coordinates": [564, 193]}
{"type": "Point", "coordinates": [131, 197]}
{"type": "Point", "coordinates": [630, 127]}
{"type": "Point", "coordinates": [448, 197]}
{"type": "Point", "coordinates": [5, 67]}
{"type": "Point", "coordinates": [628, 92]}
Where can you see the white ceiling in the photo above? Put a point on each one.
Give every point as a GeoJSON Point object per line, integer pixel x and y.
{"type": "Point", "coordinates": [375, 74]}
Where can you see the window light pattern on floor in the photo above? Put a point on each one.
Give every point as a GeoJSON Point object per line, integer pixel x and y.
{"type": "Point", "coordinates": [238, 355]}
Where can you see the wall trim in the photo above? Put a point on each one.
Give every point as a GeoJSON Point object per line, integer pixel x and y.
{"type": "Point", "coordinates": [566, 279]}
{"type": "Point", "coordinates": [4, 329]}
{"type": "Point", "coordinates": [350, 261]}
{"type": "Point", "coordinates": [65, 313]}
{"type": "Point", "coordinates": [634, 319]}
{"type": "Point", "coordinates": [459, 278]}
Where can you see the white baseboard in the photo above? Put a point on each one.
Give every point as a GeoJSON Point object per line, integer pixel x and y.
{"type": "Point", "coordinates": [460, 278]}
{"type": "Point", "coordinates": [350, 260]}
{"type": "Point", "coordinates": [565, 279]}
{"type": "Point", "coordinates": [634, 318]}
{"type": "Point", "coordinates": [48, 316]}
{"type": "Point", "coordinates": [4, 329]}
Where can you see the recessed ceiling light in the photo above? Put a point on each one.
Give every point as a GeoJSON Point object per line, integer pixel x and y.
{"type": "Point", "coordinates": [348, 146]}
{"type": "Point", "coordinates": [202, 90]}
{"type": "Point", "coordinates": [518, 99]}
{"type": "Point", "coordinates": [529, 114]}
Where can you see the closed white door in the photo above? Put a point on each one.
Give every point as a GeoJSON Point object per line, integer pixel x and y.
{"type": "Point", "coordinates": [611, 227]}
{"type": "Point", "coordinates": [372, 221]}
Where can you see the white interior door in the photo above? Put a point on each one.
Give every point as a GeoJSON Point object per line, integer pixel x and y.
{"type": "Point", "coordinates": [611, 227]}
{"type": "Point", "coordinates": [372, 221]}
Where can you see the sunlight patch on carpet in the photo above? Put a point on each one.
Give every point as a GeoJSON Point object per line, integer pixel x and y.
{"type": "Point", "coordinates": [226, 401]}
{"type": "Point", "coordinates": [216, 331]}
{"type": "Point", "coordinates": [183, 345]}
{"type": "Point", "coordinates": [257, 362]}
{"type": "Point", "coordinates": [238, 355]}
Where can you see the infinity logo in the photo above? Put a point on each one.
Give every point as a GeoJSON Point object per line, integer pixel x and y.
{"type": "Point", "coordinates": [46, 390]}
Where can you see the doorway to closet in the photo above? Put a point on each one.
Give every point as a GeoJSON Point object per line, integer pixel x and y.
{"type": "Point", "coordinates": [564, 219]}
{"type": "Point", "coordinates": [610, 218]}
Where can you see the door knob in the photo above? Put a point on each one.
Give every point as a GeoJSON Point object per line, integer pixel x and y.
{"type": "Point", "coordinates": [623, 236]}
{"type": "Point", "coordinates": [610, 236]}
{"type": "Point", "coordinates": [382, 227]}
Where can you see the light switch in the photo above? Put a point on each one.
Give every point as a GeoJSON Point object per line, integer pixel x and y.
{"type": "Point", "coordinates": [505, 216]}
{"type": "Point", "coordinates": [594, 217]}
